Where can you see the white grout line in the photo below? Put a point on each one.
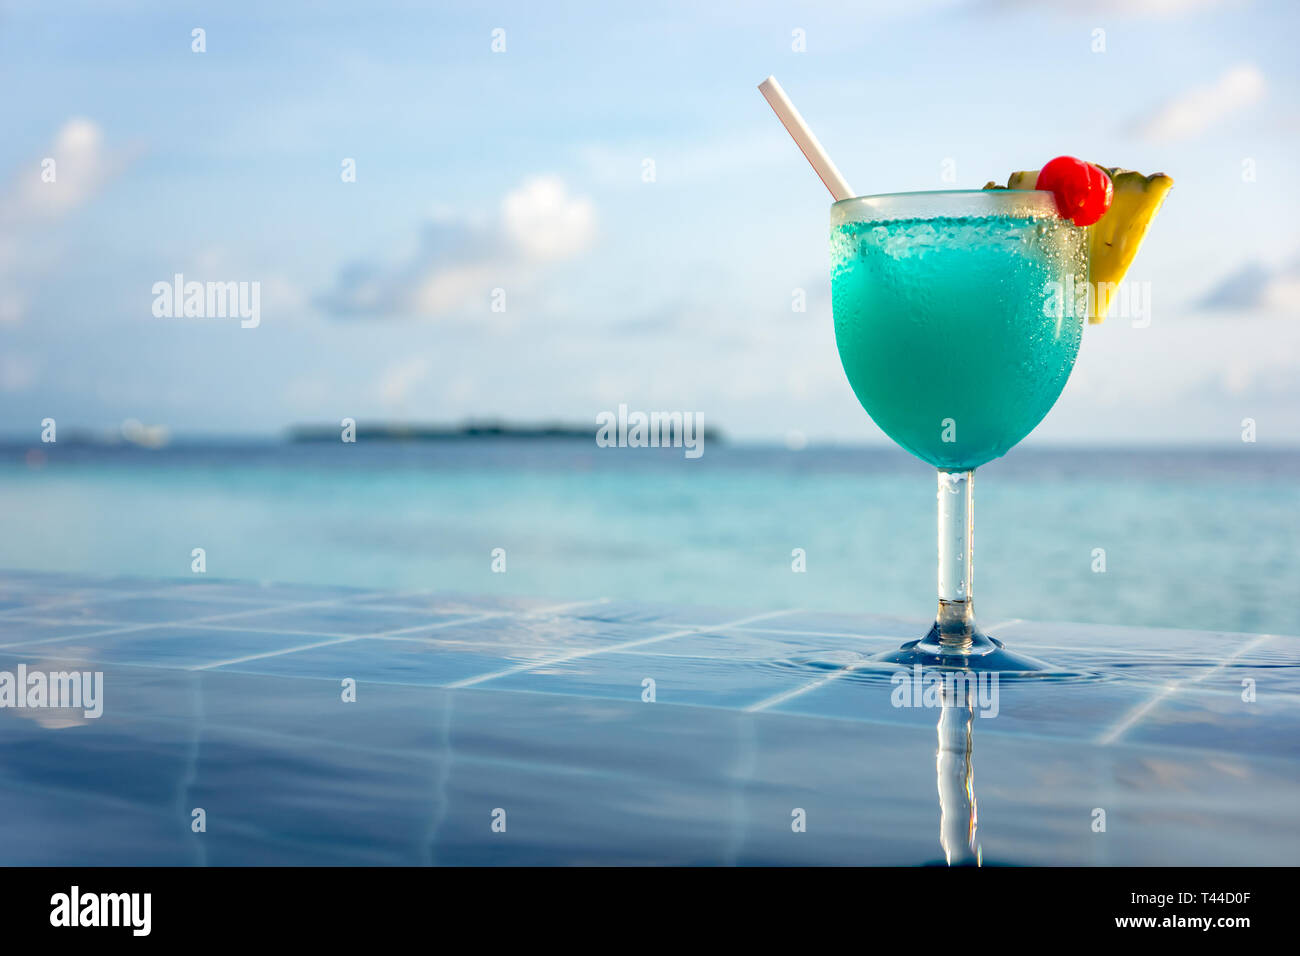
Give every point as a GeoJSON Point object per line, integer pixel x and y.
{"type": "Point", "coordinates": [551, 609]}
{"type": "Point", "coordinates": [396, 632]}
{"type": "Point", "coordinates": [790, 633]}
{"type": "Point", "coordinates": [557, 608]}
{"type": "Point", "coordinates": [1134, 715]}
{"type": "Point", "coordinates": [339, 640]}
{"type": "Point", "coordinates": [198, 623]}
{"type": "Point", "coordinates": [120, 629]}
{"type": "Point", "coordinates": [1137, 713]}
{"type": "Point", "coordinates": [277, 631]}
{"type": "Point", "coordinates": [574, 655]}
{"type": "Point", "coordinates": [63, 621]}
{"type": "Point", "coordinates": [464, 618]}
{"type": "Point", "coordinates": [151, 626]}
{"type": "Point", "coordinates": [73, 601]}
{"type": "Point", "coordinates": [156, 625]}
{"type": "Point", "coordinates": [782, 697]}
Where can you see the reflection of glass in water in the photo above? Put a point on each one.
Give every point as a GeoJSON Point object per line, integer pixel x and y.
{"type": "Point", "coordinates": [957, 813]}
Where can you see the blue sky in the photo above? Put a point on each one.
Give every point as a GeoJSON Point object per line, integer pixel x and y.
{"type": "Point", "coordinates": [523, 170]}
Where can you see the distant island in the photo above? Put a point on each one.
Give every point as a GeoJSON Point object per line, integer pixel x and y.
{"type": "Point", "coordinates": [411, 432]}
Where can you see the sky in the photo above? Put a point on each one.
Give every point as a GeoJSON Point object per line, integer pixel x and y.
{"type": "Point", "coordinates": [541, 211]}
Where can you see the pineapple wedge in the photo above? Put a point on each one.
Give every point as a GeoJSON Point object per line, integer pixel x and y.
{"type": "Point", "coordinates": [1114, 239]}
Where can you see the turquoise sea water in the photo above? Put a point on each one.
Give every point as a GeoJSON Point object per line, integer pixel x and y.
{"type": "Point", "coordinates": [1200, 539]}
{"type": "Point", "coordinates": [943, 332]}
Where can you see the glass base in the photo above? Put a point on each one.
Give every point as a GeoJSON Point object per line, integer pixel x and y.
{"type": "Point", "coordinates": [961, 645]}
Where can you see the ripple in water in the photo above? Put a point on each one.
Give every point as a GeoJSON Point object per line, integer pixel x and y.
{"type": "Point", "coordinates": [860, 668]}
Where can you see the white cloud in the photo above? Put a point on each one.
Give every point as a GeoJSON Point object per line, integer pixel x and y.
{"type": "Point", "coordinates": [80, 168]}
{"type": "Point", "coordinates": [546, 222]}
{"type": "Point", "coordinates": [1200, 108]}
{"type": "Point", "coordinates": [1256, 287]}
{"type": "Point", "coordinates": [442, 291]}
{"type": "Point", "coordinates": [73, 170]}
{"type": "Point", "coordinates": [459, 262]}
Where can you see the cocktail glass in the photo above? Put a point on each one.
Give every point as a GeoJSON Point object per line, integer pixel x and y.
{"type": "Point", "coordinates": [957, 325]}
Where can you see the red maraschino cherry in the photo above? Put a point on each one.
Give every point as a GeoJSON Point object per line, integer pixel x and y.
{"type": "Point", "coordinates": [1083, 191]}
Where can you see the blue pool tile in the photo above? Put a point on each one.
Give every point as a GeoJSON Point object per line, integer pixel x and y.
{"type": "Point", "coordinates": [665, 615]}
{"type": "Point", "coordinates": [302, 711]}
{"type": "Point", "coordinates": [451, 602]}
{"type": "Point", "coordinates": [860, 625]}
{"type": "Point", "coordinates": [378, 811]}
{"type": "Point", "coordinates": [21, 631]}
{"type": "Point", "coordinates": [698, 681]}
{"type": "Point", "coordinates": [263, 593]}
{"type": "Point", "coordinates": [1064, 643]}
{"type": "Point", "coordinates": [148, 609]}
{"type": "Point", "coordinates": [54, 603]}
{"type": "Point", "coordinates": [782, 648]}
{"type": "Point", "coordinates": [1268, 725]}
{"type": "Point", "coordinates": [160, 647]}
{"type": "Point", "coordinates": [555, 731]}
{"type": "Point", "coordinates": [377, 659]}
{"type": "Point", "coordinates": [78, 827]}
{"type": "Point", "coordinates": [12, 579]}
{"type": "Point", "coordinates": [679, 822]}
{"type": "Point", "coordinates": [234, 843]}
{"type": "Point", "coordinates": [346, 618]}
{"type": "Point", "coordinates": [513, 639]}
{"type": "Point", "coordinates": [439, 655]}
{"type": "Point", "coordinates": [131, 693]}
{"type": "Point", "coordinates": [136, 762]}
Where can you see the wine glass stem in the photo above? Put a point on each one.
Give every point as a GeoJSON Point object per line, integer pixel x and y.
{"type": "Point", "coordinates": [956, 539]}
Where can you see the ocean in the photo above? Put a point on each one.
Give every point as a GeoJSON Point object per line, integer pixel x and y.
{"type": "Point", "coordinates": [1185, 538]}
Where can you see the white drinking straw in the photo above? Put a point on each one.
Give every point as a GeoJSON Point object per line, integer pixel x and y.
{"type": "Point", "coordinates": [804, 138]}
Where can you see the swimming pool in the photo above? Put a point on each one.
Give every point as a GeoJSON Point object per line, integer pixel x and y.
{"type": "Point", "coordinates": [496, 730]}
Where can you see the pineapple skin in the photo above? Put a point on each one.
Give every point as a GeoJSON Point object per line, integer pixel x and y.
{"type": "Point", "coordinates": [1114, 239]}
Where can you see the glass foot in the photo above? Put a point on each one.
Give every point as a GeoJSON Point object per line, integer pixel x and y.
{"type": "Point", "coordinates": [965, 647]}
